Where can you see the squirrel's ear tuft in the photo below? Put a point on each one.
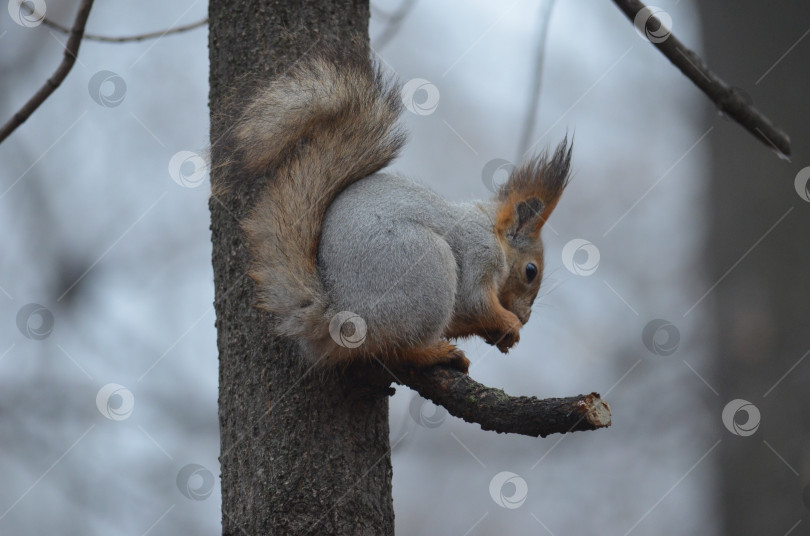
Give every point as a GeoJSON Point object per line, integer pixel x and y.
{"type": "Point", "coordinates": [529, 196]}
{"type": "Point", "coordinates": [556, 171]}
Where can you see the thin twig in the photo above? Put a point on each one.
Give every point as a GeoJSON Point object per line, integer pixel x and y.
{"type": "Point", "coordinates": [131, 38]}
{"type": "Point", "coordinates": [69, 58]}
{"type": "Point", "coordinates": [728, 100]}
{"type": "Point", "coordinates": [124, 39]}
{"type": "Point", "coordinates": [394, 24]}
{"type": "Point", "coordinates": [534, 91]}
{"type": "Point", "coordinates": [494, 410]}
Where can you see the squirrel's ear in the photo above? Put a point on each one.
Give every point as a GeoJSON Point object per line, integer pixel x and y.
{"type": "Point", "coordinates": [526, 218]}
{"type": "Point", "coordinates": [532, 191]}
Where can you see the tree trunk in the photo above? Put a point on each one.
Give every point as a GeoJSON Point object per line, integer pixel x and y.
{"type": "Point", "coordinates": [761, 306]}
{"type": "Point", "coordinates": [298, 455]}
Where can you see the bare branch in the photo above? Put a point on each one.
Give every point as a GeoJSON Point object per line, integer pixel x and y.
{"type": "Point", "coordinates": [130, 38]}
{"type": "Point", "coordinates": [494, 410]}
{"type": "Point", "coordinates": [69, 58]}
{"type": "Point", "coordinates": [394, 23]}
{"type": "Point", "coordinates": [537, 77]}
{"type": "Point", "coordinates": [125, 39]}
{"type": "Point", "coordinates": [727, 99]}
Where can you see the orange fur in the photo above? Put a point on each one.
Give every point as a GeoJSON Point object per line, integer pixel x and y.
{"type": "Point", "coordinates": [497, 325]}
{"type": "Point", "coordinates": [441, 353]}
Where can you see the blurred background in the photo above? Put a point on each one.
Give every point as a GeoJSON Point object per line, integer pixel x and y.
{"type": "Point", "coordinates": [677, 281]}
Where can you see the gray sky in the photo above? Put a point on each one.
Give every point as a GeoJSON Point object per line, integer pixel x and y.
{"type": "Point", "coordinates": [118, 251]}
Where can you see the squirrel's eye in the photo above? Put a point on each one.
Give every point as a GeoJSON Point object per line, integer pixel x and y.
{"type": "Point", "coordinates": [531, 272]}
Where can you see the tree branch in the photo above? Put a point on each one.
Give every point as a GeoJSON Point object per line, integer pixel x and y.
{"type": "Point", "coordinates": [69, 58]}
{"type": "Point", "coordinates": [727, 99]}
{"type": "Point", "coordinates": [494, 410]}
{"type": "Point", "coordinates": [129, 38]}
{"type": "Point", "coordinates": [394, 23]}
{"type": "Point", "coordinates": [537, 78]}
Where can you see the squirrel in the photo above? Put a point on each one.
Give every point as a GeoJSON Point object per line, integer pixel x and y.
{"type": "Point", "coordinates": [359, 264]}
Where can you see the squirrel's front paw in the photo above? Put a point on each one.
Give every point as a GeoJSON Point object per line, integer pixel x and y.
{"type": "Point", "coordinates": [503, 339]}
{"type": "Point", "coordinates": [509, 339]}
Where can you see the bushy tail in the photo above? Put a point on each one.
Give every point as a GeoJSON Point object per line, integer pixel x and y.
{"type": "Point", "coordinates": [319, 127]}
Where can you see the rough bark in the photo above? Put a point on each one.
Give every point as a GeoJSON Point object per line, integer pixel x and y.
{"type": "Point", "coordinates": [761, 306]}
{"type": "Point", "coordinates": [298, 456]}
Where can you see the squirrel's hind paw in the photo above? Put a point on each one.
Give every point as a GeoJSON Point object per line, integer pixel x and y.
{"type": "Point", "coordinates": [440, 353]}
{"type": "Point", "coordinates": [458, 361]}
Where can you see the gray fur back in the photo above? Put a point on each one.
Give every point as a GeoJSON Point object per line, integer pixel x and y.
{"type": "Point", "coordinates": [403, 259]}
